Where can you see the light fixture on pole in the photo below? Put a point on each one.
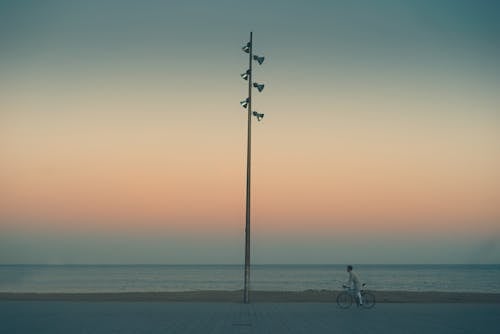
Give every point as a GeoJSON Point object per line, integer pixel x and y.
{"type": "Point", "coordinates": [259, 116]}
{"type": "Point", "coordinates": [260, 60]}
{"type": "Point", "coordinates": [260, 87]}
{"type": "Point", "coordinates": [246, 48]}
{"type": "Point", "coordinates": [247, 103]}
{"type": "Point", "coordinates": [245, 75]}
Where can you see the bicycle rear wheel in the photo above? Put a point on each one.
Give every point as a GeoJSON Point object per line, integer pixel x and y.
{"type": "Point", "coordinates": [368, 299]}
{"type": "Point", "coordinates": [344, 300]}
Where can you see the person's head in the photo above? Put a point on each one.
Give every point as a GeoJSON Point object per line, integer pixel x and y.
{"type": "Point", "coordinates": [349, 268]}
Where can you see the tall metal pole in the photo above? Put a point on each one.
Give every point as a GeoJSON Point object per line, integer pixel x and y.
{"type": "Point", "coordinates": [246, 299]}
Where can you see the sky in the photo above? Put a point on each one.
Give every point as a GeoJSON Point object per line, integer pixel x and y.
{"type": "Point", "coordinates": [122, 139]}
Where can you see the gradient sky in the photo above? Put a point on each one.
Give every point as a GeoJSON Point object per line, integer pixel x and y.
{"type": "Point", "coordinates": [122, 139]}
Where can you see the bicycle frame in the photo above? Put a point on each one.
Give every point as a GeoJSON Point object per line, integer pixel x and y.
{"type": "Point", "coordinates": [367, 298]}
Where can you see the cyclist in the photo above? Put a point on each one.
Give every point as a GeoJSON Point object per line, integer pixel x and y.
{"type": "Point", "coordinates": [355, 284]}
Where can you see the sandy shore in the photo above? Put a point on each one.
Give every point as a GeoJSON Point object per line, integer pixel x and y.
{"type": "Point", "coordinates": [314, 296]}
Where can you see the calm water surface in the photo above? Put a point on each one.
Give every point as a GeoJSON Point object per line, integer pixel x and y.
{"type": "Point", "coordinates": [128, 278]}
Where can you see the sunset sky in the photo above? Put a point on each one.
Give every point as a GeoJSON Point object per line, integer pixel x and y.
{"type": "Point", "coordinates": [122, 139]}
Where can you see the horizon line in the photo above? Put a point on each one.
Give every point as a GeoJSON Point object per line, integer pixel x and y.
{"type": "Point", "coordinates": [242, 264]}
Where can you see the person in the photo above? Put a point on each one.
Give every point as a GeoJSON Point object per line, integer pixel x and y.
{"type": "Point", "coordinates": [355, 284]}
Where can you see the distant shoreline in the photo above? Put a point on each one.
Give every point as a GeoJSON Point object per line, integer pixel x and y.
{"type": "Point", "coordinates": [253, 265]}
{"type": "Point", "coordinates": [314, 296]}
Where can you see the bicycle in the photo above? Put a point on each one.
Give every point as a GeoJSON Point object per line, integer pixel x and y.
{"type": "Point", "coordinates": [345, 298]}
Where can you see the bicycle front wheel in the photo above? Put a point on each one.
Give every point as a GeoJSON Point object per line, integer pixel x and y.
{"type": "Point", "coordinates": [368, 300]}
{"type": "Point", "coordinates": [344, 300]}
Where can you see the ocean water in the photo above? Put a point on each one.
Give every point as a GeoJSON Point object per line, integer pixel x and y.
{"type": "Point", "coordinates": [153, 278]}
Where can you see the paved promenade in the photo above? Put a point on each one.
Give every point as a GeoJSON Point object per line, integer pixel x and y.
{"type": "Point", "coordinates": [275, 318]}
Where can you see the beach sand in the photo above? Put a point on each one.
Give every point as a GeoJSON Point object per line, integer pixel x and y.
{"type": "Point", "coordinates": [309, 296]}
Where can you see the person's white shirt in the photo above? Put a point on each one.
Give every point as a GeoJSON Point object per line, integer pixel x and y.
{"type": "Point", "coordinates": [354, 281]}
{"type": "Point", "coordinates": [355, 284]}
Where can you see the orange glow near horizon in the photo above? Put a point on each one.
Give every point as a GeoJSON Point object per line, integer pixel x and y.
{"type": "Point", "coordinates": [188, 176]}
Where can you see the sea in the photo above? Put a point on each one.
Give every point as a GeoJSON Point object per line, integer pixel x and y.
{"type": "Point", "coordinates": [164, 278]}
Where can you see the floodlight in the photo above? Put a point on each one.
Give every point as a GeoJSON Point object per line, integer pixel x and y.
{"type": "Point", "coordinates": [259, 116]}
{"type": "Point", "coordinates": [244, 103]}
{"type": "Point", "coordinates": [260, 60]}
{"type": "Point", "coordinates": [260, 87]}
{"type": "Point", "coordinates": [246, 48]}
{"type": "Point", "coordinates": [245, 75]}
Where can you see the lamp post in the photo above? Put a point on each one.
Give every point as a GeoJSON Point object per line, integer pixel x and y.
{"type": "Point", "coordinates": [247, 103]}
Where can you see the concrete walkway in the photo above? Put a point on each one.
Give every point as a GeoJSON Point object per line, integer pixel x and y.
{"type": "Point", "coordinates": [275, 318]}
